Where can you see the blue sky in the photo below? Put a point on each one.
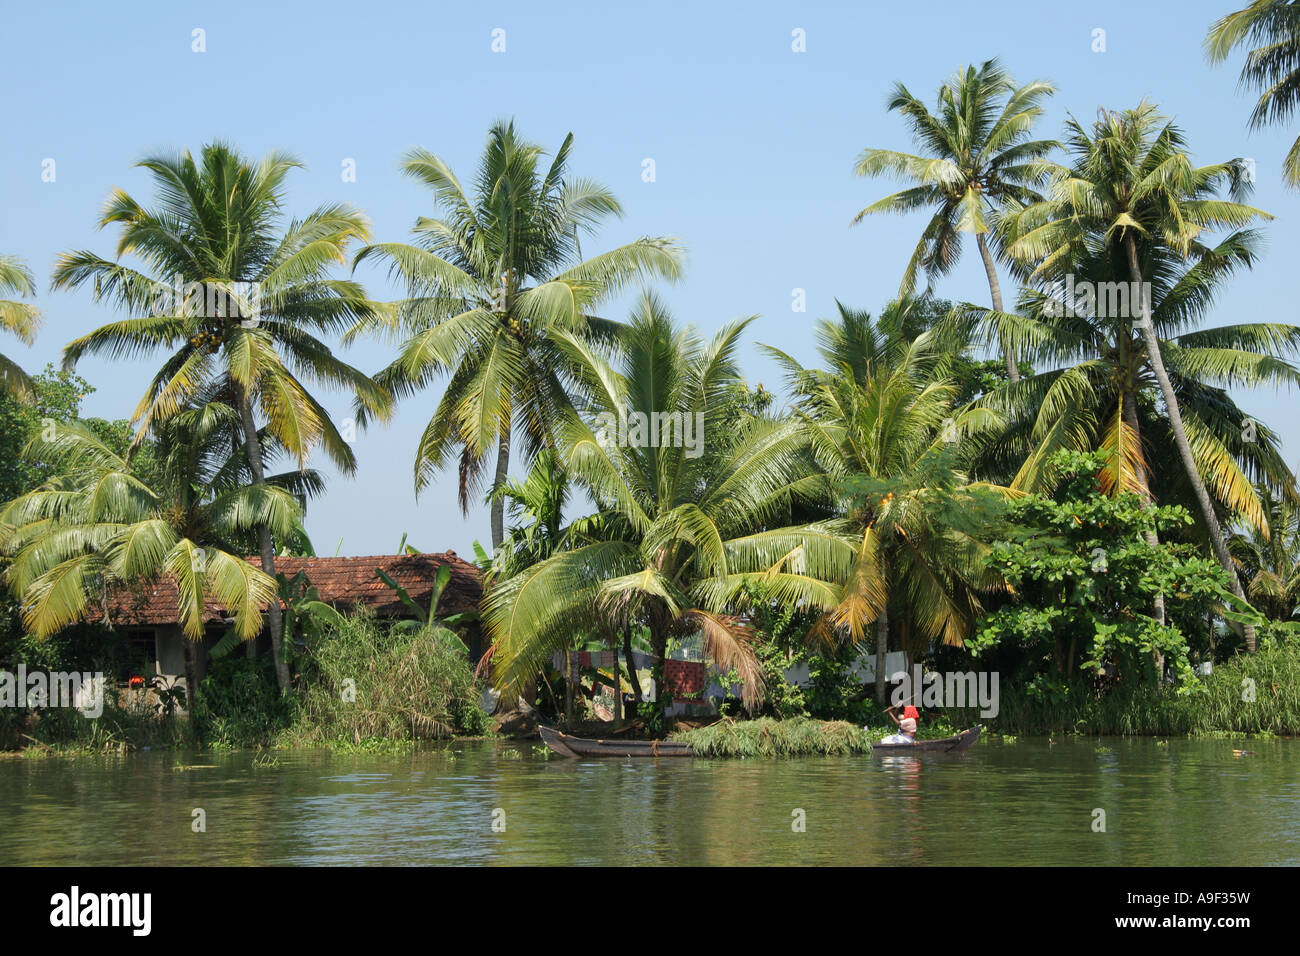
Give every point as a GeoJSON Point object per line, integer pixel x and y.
{"type": "Point", "coordinates": [753, 146]}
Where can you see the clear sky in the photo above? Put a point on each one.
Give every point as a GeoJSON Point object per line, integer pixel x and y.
{"type": "Point", "coordinates": [753, 145]}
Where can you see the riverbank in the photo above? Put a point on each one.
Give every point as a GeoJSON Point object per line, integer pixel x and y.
{"type": "Point", "coordinates": [437, 698]}
{"type": "Point", "coordinates": [1253, 694]}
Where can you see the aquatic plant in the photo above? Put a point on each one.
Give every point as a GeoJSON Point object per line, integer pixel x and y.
{"type": "Point", "coordinates": [765, 737]}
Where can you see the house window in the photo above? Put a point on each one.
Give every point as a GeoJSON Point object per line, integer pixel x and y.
{"type": "Point", "coordinates": [141, 653]}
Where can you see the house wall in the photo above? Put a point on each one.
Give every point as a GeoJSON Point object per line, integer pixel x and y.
{"type": "Point", "coordinates": [170, 651]}
{"type": "Point", "coordinates": [171, 642]}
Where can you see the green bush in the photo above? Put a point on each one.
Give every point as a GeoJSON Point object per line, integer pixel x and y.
{"type": "Point", "coordinates": [781, 642]}
{"type": "Point", "coordinates": [238, 704]}
{"type": "Point", "coordinates": [1275, 673]}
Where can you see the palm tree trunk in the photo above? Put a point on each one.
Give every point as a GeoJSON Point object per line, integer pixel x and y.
{"type": "Point", "coordinates": [568, 687]}
{"type": "Point", "coordinates": [618, 682]}
{"type": "Point", "coordinates": [882, 647]}
{"type": "Point", "coordinates": [631, 665]}
{"type": "Point", "coordinates": [1180, 433]}
{"type": "Point", "coordinates": [191, 671]}
{"type": "Point", "coordinates": [658, 650]}
{"type": "Point", "coordinates": [253, 447]}
{"type": "Point", "coordinates": [498, 480]}
{"type": "Point", "coordinates": [995, 288]}
{"type": "Point", "coordinates": [1153, 539]}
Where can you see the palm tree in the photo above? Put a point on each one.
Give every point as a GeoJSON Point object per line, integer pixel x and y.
{"type": "Point", "coordinates": [1095, 392]}
{"type": "Point", "coordinates": [21, 319]}
{"type": "Point", "coordinates": [489, 285]}
{"type": "Point", "coordinates": [1272, 68]}
{"type": "Point", "coordinates": [1131, 182]}
{"type": "Point", "coordinates": [669, 507]}
{"type": "Point", "coordinates": [978, 157]}
{"type": "Point", "coordinates": [105, 523]}
{"type": "Point", "coordinates": [1270, 560]}
{"type": "Point", "coordinates": [232, 299]}
{"type": "Point", "coordinates": [905, 548]}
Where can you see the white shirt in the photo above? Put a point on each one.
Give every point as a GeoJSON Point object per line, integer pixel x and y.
{"type": "Point", "coordinates": [899, 739]}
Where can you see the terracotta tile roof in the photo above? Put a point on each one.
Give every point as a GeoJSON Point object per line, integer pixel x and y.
{"type": "Point", "coordinates": [342, 582]}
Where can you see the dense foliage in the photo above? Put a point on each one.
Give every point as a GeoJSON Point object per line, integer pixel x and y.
{"type": "Point", "coordinates": [1039, 488]}
{"type": "Point", "coordinates": [1085, 580]}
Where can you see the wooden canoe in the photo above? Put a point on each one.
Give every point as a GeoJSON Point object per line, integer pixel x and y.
{"type": "Point", "coordinates": [568, 746]}
{"type": "Point", "coordinates": [955, 744]}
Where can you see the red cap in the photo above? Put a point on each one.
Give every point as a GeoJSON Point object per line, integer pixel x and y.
{"type": "Point", "coordinates": [910, 711]}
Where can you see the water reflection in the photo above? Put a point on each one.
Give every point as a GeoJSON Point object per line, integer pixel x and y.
{"type": "Point", "coordinates": [1190, 802]}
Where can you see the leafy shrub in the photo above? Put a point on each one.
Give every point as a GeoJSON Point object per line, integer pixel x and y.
{"type": "Point", "coordinates": [238, 704]}
{"type": "Point", "coordinates": [1206, 706]}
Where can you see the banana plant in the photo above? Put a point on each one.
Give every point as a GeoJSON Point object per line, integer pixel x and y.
{"type": "Point", "coordinates": [427, 618]}
{"type": "Point", "coordinates": [1244, 613]}
{"type": "Point", "coordinates": [305, 615]}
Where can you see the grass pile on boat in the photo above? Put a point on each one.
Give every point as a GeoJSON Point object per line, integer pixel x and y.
{"type": "Point", "coordinates": [766, 737]}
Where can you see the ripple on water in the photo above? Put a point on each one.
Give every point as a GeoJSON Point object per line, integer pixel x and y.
{"type": "Point", "coordinates": [1189, 802]}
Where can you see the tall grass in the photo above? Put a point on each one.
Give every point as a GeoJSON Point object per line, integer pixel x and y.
{"type": "Point", "coordinates": [116, 730]}
{"type": "Point", "coordinates": [364, 682]}
{"type": "Point", "coordinates": [1273, 674]}
{"type": "Point", "coordinates": [796, 737]}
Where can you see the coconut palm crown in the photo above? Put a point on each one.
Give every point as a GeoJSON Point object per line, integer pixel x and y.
{"type": "Point", "coordinates": [105, 524]}
{"type": "Point", "coordinates": [1272, 68]}
{"type": "Point", "coordinates": [670, 509]}
{"type": "Point", "coordinates": [978, 156]}
{"type": "Point", "coordinates": [231, 293]}
{"type": "Point", "coordinates": [489, 283]}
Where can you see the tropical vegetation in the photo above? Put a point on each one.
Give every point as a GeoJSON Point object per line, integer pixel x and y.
{"type": "Point", "coordinates": [236, 305]}
{"type": "Point", "coordinates": [1065, 485]}
{"type": "Point", "coordinates": [22, 319]}
{"type": "Point", "coordinates": [979, 158]}
{"type": "Point", "coordinates": [1272, 68]}
{"type": "Point", "coordinates": [492, 284]}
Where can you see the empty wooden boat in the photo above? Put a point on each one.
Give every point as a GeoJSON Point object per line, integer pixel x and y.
{"type": "Point", "coordinates": [568, 746]}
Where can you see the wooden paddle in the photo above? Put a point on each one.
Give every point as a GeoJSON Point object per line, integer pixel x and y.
{"type": "Point", "coordinates": [903, 704]}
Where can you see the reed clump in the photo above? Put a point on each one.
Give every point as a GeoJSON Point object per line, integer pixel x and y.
{"type": "Point", "coordinates": [365, 682]}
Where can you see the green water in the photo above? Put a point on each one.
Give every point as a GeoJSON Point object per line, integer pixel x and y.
{"type": "Point", "coordinates": [1190, 802]}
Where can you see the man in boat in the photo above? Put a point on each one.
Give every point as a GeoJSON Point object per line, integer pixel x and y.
{"type": "Point", "coordinates": [906, 732]}
{"type": "Point", "coordinates": [908, 711]}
